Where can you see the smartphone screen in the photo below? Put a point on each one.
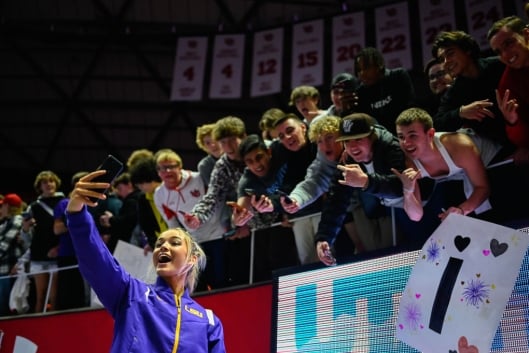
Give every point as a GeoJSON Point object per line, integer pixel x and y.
{"type": "Point", "coordinates": [113, 167]}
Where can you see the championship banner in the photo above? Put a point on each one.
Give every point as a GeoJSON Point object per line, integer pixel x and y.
{"type": "Point", "coordinates": [227, 66]}
{"type": "Point", "coordinates": [188, 73]}
{"type": "Point", "coordinates": [307, 54]}
{"type": "Point", "coordinates": [481, 14]}
{"type": "Point", "coordinates": [435, 16]}
{"type": "Point", "coordinates": [267, 62]}
{"type": "Point", "coordinates": [393, 35]}
{"type": "Point", "coordinates": [348, 38]}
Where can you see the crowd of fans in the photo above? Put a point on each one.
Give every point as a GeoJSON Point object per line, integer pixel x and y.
{"type": "Point", "coordinates": [376, 169]}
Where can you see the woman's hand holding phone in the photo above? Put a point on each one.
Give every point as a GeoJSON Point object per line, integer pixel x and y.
{"type": "Point", "coordinates": [87, 192]}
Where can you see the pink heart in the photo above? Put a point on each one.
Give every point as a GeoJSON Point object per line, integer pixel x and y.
{"type": "Point", "coordinates": [417, 295]}
{"type": "Point", "coordinates": [401, 326]}
{"type": "Point", "coordinates": [486, 252]}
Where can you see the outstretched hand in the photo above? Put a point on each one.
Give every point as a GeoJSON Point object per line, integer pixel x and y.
{"type": "Point", "coordinates": [85, 189]}
{"type": "Point", "coordinates": [241, 215]}
{"type": "Point", "coordinates": [408, 178]}
{"type": "Point", "coordinates": [463, 347]}
{"type": "Point", "coordinates": [477, 110]}
{"type": "Point", "coordinates": [323, 249]}
{"type": "Point", "coordinates": [507, 106]}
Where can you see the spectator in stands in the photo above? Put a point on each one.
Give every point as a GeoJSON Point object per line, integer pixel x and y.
{"type": "Point", "coordinates": [138, 155]}
{"type": "Point", "coordinates": [70, 283]}
{"type": "Point", "coordinates": [274, 247]}
{"type": "Point", "coordinates": [439, 80]}
{"type": "Point", "coordinates": [323, 132]}
{"type": "Point", "coordinates": [383, 93]}
{"type": "Point", "coordinates": [371, 153]}
{"type": "Point", "coordinates": [469, 102]}
{"type": "Point", "coordinates": [230, 131]}
{"type": "Point", "coordinates": [266, 124]}
{"type": "Point", "coordinates": [297, 153]}
{"type": "Point", "coordinates": [179, 192]}
{"type": "Point", "coordinates": [139, 309]}
{"type": "Point", "coordinates": [123, 225]}
{"type": "Point", "coordinates": [12, 245]}
{"type": "Point", "coordinates": [306, 100]}
{"type": "Point", "coordinates": [343, 96]}
{"type": "Point", "coordinates": [206, 142]}
{"type": "Point", "coordinates": [509, 38]}
{"type": "Point", "coordinates": [260, 178]}
{"type": "Point", "coordinates": [44, 243]}
{"type": "Point", "coordinates": [441, 156]}
{"type": "Point", "coordinates": [144, 176]}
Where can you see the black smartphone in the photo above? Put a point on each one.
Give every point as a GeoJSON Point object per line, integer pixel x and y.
{"type": "Point", "coordinates": [27, 215]}
{"type": "Point", "coordinates": [229, 233]}
{"type": "Point", "coordinates": [285, 195]}
{"type": "Point", "coordinates": [113, 166]}
{"type": "Point", "coordinates": [249, 192]}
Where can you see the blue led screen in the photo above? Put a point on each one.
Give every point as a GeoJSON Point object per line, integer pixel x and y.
{"type": "Point", "coordinates": [353, 308]}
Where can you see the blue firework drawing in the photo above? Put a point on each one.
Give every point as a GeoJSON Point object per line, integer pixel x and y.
{"type": "Point", "coordinates": [412, 316]}
{"type": "Point", "coordinates": [476, 292]}
{"type": "Point", "coordinates": [433, 251]}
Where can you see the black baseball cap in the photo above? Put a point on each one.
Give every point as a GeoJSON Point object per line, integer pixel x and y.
{"type": "Point", "coordinates": [344, 81]}
{"type": "Point", "coordinates": [356, 126]}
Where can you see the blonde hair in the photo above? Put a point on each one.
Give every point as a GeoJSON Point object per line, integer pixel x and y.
{"type": "Point", "coordinates": [138, 155]}
{"type": "Point", "coordinates": [328, 124]}
{"type": "Point", "coordinates": [202, 132]}
{"type": "Point", "coordinates": [168, 154]}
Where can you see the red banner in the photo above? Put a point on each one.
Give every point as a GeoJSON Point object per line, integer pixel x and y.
{"type": "Point", "coordinates": [245, 315]}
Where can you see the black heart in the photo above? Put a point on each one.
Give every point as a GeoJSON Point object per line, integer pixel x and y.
{"type": "Point", "coordinates": [497, 248]}
{"type": "Point", "coordinates": [451, 351]}
{"type": "Point", "coordinates": [461, 243]}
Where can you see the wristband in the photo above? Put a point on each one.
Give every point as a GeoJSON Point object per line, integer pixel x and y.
{"type": "Point", "coordinates": [408, 191]}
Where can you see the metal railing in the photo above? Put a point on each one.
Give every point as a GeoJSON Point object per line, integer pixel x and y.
{"type": "Point", "coordinates": [252, 244]}
{"type": "Point", "coordinates": [50, 272]}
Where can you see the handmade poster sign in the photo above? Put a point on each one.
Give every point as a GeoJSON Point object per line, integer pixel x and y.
{"type": "Point", "coordinates": [460, 285]}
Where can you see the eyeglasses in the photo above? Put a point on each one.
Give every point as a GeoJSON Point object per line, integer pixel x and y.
{"type": "Point", "coordinates": [167, 168]}
{"type": "Point", "coordinates": [437, 75]}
